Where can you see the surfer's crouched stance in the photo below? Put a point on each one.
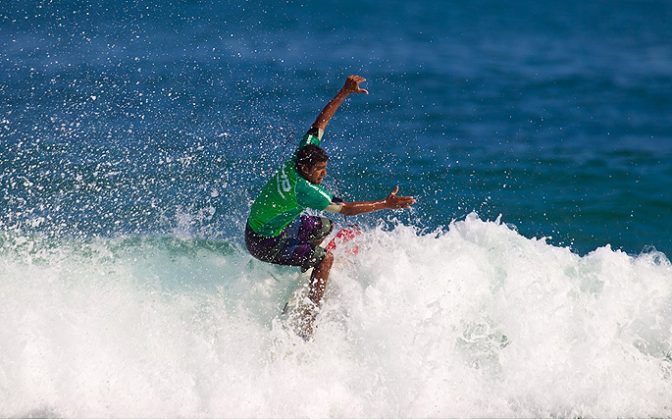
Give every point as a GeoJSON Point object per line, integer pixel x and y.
{"type": "Point", "coordinates": [277, 232]}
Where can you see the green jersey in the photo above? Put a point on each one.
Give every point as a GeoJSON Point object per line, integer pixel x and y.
{"type": "Point", "coordinates": [286, 196]}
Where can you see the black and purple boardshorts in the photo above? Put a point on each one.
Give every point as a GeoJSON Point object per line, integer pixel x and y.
{"type": "Point", "coordinates": [297, 245]}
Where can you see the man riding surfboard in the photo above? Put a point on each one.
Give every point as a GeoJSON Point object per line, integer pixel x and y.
{"type": "Point", "coordinates": [278, 232]}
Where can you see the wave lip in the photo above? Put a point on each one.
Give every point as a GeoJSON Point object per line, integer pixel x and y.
{"type": "Point", "coordinates": [473, 321]}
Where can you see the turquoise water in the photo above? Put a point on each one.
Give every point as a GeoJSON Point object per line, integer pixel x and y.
{"type": "Point", "coordinates": [531, 279]}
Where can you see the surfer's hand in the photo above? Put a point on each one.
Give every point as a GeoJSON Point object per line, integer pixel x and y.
{"type": "Point", "coordinates": [352, 84]}
{"type": "Point", "coordinates": [393, 201]}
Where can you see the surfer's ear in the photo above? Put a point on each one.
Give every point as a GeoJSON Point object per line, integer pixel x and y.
{"type": "Point", "coordinates": [303, 170]}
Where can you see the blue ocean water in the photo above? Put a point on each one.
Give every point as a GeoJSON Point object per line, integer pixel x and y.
{"type": "Point", "coordinates": [555, 117]}
{"type": "Point", "coordinates": [134, 136]}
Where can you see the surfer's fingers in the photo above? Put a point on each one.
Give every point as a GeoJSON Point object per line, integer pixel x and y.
{"type": "Point", "coordinates": [352, 85]}
{"type": "Point", "coordinates": [395, 191]}
{"type": "Point", "coordinates": [405, 202]}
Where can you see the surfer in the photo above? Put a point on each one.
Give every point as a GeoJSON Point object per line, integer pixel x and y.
{"type": "Point", "coordinates": [278, 232]}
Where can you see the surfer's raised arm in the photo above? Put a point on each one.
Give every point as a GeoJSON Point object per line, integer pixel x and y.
{"type": "Point", "coordinates": [393, 201]}
{"type": "Point", "coordinates": [351, 86]}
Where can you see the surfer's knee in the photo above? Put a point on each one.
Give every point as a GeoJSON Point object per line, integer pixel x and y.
{"type": "Point", "coordinates": [328, 259]}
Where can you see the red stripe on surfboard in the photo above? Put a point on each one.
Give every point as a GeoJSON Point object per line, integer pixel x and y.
{"type": "Point", "coordinates": [342, 238]}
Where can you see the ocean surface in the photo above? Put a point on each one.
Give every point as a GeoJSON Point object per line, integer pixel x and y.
{"type": "Point", "coordinates": [531, 279]}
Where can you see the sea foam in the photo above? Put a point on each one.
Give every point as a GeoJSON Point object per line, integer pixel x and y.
{"type": "Point", "coordinates": [472, 321]}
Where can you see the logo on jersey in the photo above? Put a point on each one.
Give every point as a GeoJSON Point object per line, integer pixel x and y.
{"type": "Point", "coordinates": [283, 183]}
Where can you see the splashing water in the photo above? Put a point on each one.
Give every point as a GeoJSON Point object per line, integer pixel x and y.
{"type": "Point", "coordinates": [476, 320]}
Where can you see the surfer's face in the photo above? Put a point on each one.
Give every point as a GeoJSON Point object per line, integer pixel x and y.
{"type": "Point", "coordinates": [316, 173]}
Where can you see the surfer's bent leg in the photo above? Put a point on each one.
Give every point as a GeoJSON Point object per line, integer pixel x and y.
{"type": "Point", "coordinates": [298, 245]}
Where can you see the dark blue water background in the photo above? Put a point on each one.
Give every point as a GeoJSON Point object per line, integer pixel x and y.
{"type": "Point", "coordinates": [149, 118]}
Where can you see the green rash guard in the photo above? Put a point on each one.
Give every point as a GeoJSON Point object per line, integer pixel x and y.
{"type": "Point", "coordinates": [286, 196]}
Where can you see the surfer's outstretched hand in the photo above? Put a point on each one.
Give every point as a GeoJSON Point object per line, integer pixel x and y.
{"type": "Point", "coordinates": [352, 84]}
{"type": "Point", "coordinates": [394, 201]}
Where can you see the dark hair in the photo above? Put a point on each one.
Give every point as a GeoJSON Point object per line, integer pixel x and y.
{"type": "Point", "coordinates": [309, 155]}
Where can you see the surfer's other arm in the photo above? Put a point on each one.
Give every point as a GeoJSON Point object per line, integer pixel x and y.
{"type": "Point", "coordinates": [351, 86]}
{"type": "Point", "coordinates": [392, 201]}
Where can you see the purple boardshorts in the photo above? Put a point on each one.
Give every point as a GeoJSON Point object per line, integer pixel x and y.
{"type": "Point", "coordinates": [297, 245]}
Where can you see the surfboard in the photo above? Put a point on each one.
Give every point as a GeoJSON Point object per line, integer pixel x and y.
{"type": "Point", "coordinates": [344, 241]}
